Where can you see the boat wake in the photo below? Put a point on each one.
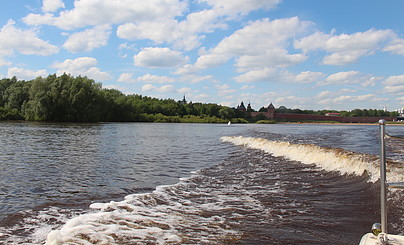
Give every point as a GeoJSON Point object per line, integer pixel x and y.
{"type": "Point", "coordinates": [329, 159]}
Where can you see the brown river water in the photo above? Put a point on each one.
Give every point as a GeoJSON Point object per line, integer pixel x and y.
{"type": "Point", "coordinates": [136, 183]}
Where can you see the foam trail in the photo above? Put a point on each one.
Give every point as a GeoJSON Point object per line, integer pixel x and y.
{"type": "Point", "coordinates": [329, 159]}
{"type": "Point", "coordinates": [166, 216]}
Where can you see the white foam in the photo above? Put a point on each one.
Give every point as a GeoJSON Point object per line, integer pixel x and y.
{"type": "Point", "coordinates": [161, 217]}
{"type": "Point", "coordinates": [329, 159]}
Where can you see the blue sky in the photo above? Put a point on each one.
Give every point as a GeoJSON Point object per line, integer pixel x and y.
{"type": "Point", "coordinates": [311, 54]}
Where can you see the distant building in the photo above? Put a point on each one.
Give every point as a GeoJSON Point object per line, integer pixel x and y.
{"type": "Point", "coordinates": [241, 107]}
{"type": "Point", "coordinates": [270, 113]}
{"type": "Point", "coordinates": [249, 107]}
{"type": "Point", "coordinates": [183, 101]}
{"type": "Point", "coordinates": [400, 114]}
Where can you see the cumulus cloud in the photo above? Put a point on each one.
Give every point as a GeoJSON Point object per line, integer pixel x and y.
{"type": "Point", "coordinates": [345, 77]}
{"type": "Point", "coordinates": [245, 87]}
{"type": "Point", "coordinates": [93, 13]}
{"type": "Point", "coordinates": [186, 34]}
{"type": "Point", "coordinates": [394, 85]}
{"type": "Point", "coordinates": [269, 74]}
{"type": "Point", "coordinates": [26, 74]}
{"type": "Point", "coordinates": [88, 40]}
{"type": "Point", "coordinates": [4, 62]}
{"type": "Point", "coordinates": [147, 78]}
{"type": "Point", "coordinates": [24, 41]}
{"type": "Point", "coordinates": [396, 46]}
{"type": "Point", "coordinates": [159, 57]}
{"type": "Point", "coordinates": [162, 89]}
{"type": "Point", "coordinates": [240, 6]}
{"type": "Point", "coordinates": [308, 77]}
{"type": "Point", "coordinates": [258, 47]}
{"type": "Point", "coordinates": [83, 66]}
{"type": "Point", "coordinates": [265, 74]}
{"type": "Point", "coordinates": [261, 35]}
{"type": "Point", "coordinates": [52, 5]}
{"type": "Point", "coordinates": [358, 98]}
{"type": "Point", "coordinates": [126, 78]}
{"type": "Point", "coordinates": [223, 90]}
{"type": "Point", "coordinates": [345, 48]}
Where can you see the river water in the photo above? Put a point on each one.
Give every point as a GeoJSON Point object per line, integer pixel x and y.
{"type": "Point", "coordinates": [145, 183]}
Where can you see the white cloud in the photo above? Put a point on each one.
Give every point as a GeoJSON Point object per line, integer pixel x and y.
{"type": "Point", "coordinates": [24, 41]}
{"type": "Point", "coordinates": [245, 87]}
{"type": "Point", "coordinates": [231, 7]}
{"type": "Point", "coordinates": [83, 66]}
{"type": "Point", "coordinates": [93, 13]}
{"type": "Point", "coordinates": [394, 85]}
{"type": "Point", "coordinates": [224, 90]}
{"type": "Point", "coordinates": [126, 78]}
{"type": "Point", "coordinates": [186, 34]}
{"type": "Point", "coordinates": [25, 74]}
{"type": "Point", "coordinates": [269, 58]}
{"type": "Point", "coordinates": [396, 46]}
{"type": "Point", "coordinates": [149, 88]}
{"type": "Point", "coordinates": [88, 40]}
{"type": "Point", "coordinates": [264, 74]}
{"type": "Point", "coordinates": [210, 60]}
{"type": "Point", "coordinates": [159, 58]}
{"type": "Point", "coordinates": [148, 78]}
{"type": "Point", "coordinates": [280, 76]}
{"type": "Point", "coordinates": [344, 48]}
{"type": "Point", "coordinates": [258, 47]}
{"type": "Point", "coordinates": [52, 5]}
{"type": "Point", "coordinates": [395, 80]}
{"type": "Point", "coordinates": [308, 77]}
{"type": "Point", "coordinates": [200, 97]}
{"type": "Point", "coordinates": [162, 89]}
{"type": "Point", "coordinates": [259, 36]}
{"type": "Point", "coordinates": [4, 62]}
{"type": "Point", "coordinates": [400, 100]}
{"type": "Point", "coordinates": [193, 79]}
{"type": "Point", "coordinates": [157, 31]}
{"type": "Point", "coordinates": [371, 81]}
{"type": "Point", "coordinates": [359, 98]}
{"type": "Point", "coordinates": [345, 77]}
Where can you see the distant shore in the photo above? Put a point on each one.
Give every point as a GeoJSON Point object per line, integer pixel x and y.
{"type": "Point", "coordinates": [338, 123]}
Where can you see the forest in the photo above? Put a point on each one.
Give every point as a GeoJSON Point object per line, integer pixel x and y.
{"type": "Point", "coordinates": [66, 98]}
{"type": "Point", "coordinates": [79, 99]}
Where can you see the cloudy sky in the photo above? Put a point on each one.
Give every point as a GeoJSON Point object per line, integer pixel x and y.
{"type": "Point", "coordinates": [311, 54]}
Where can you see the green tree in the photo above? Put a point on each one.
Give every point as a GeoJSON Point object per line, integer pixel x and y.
{"type": "Point", "coordinates": [226, 113]}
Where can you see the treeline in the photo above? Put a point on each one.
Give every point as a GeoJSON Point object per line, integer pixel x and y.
{"type": "Point", "coordinates": [353, 113]}
{"type": "Point", "coordinates": [79, 99]}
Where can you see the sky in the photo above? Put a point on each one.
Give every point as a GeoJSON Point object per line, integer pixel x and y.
{"type": "Point", "coordinates": [311, 54]}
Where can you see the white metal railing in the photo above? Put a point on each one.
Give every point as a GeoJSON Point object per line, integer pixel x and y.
{"type": "Point", "coordinates": [383, 181]}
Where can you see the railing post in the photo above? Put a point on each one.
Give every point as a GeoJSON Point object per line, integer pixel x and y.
{"type": "Point", "coordinates": [383, 183]}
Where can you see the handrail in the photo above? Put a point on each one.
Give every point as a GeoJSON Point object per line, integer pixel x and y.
{"type": "Point", "coordinates": [383, 182]}
{"type": "Point", "coordinates": [383, 185]}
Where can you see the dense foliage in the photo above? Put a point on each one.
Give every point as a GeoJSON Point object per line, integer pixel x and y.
{"type": "Point", "coordinates": [79, 99]}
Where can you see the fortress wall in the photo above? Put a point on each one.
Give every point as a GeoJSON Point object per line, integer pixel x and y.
{"type": "Point", "coordinates": [296, 116]}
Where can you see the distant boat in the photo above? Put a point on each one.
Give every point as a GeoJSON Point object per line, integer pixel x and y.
{"type": "Point", "coordinates": [229, 123]}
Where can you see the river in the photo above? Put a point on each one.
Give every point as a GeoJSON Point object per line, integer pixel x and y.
{"type": "Point", "coordinates": [147, 183]}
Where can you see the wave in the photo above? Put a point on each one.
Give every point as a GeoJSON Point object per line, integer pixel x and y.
{"type": "Point", "coordinates": [171, 214]}
{"type": "Point", "coordinates": [329, 159]}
